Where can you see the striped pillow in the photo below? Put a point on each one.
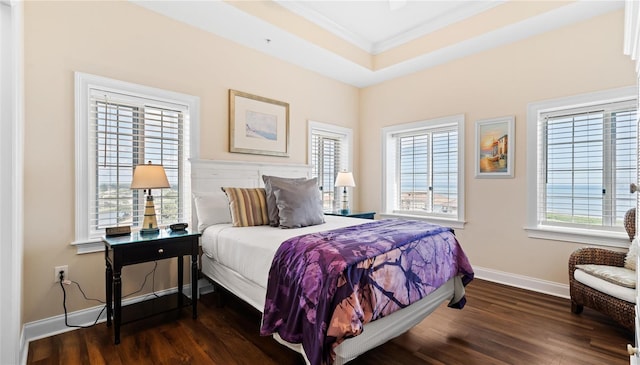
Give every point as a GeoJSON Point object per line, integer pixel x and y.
{"type": "Point", "coordinates": [248, 206]}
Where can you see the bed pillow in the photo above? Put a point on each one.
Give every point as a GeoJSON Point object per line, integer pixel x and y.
{"type": "Point", "coordinates": [248, 206]}
{"type": "Point", "coordinates": [211, 208]}
{"type": "Point", "coordinates": [272, 208]}
{"type": "Point", "coordinates": [299, 205]}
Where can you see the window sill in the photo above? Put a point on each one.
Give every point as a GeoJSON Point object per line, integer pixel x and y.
{"type": "Point", "coordinates": [88, 246]}
{"type": "Point", "coordinates": [590, 237]}
{"type": "Point", "coordinates": [452, 223]}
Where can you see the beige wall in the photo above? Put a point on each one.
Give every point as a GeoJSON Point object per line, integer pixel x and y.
{"type": "Point", "coordinates": [578, 59]}
{"type": "Point", "coordinates": [123, 41]}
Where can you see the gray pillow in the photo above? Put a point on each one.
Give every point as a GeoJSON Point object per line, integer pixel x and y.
{"type": "Point", "coordinates": [272, 208]}
{"type": "Point", "coordinates": [299, 204]}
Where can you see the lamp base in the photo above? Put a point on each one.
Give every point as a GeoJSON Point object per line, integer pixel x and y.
{"type": "Point", "coordinates": [148, 231]}
{"type": "Point", "coordinates": [150, 224]}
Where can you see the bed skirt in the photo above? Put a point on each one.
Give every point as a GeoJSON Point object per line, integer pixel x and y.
{"type": "Point", "coordinates": [375, 333]}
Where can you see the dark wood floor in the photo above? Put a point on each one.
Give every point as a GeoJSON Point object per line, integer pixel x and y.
{"type": "Point", "coordinates": [499, 325]}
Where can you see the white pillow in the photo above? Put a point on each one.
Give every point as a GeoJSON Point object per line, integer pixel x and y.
{"type": "Point", "coordinates": [630, 259]}
{"type": "Point", "coordinates": [211, 208]}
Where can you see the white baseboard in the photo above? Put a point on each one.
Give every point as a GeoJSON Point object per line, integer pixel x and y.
{"type": "Point", "coordinates": [55, 325]}
{"type": "Point", "coordinates": [523, 282]}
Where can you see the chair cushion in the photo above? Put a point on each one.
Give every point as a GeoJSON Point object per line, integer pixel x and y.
{"type": "Point", "coordinates": [617, 291]}
{"type": "Point", "coordinates": [613, 274]}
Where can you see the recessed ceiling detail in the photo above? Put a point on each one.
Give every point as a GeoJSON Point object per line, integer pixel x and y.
{"type": "Point", "coordinates": [375, 27]}
{"type": "Point", "coordinates": [250, 30]}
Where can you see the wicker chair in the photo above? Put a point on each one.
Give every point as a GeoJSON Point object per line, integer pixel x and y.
{"type": "Point", "coordinates": [581, 295]}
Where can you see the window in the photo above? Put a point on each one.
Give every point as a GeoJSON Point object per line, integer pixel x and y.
{"type": "Point", "coordinates": [586, 157]}
{"type": "Point", "coordinates": [423, 174]}
{"type": "Point", "coordinates": [330, 153]}
{"type": "Point", "coordinates": [119, 126]}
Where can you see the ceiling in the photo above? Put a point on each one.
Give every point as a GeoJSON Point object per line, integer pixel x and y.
{"type": "Point", "coordinates": [377, 26]}
{"type": "Point", "coordinates": [363, 43]}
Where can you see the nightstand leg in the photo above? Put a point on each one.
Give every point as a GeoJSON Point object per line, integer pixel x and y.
{"type": "Point", "coordinates": [180, 280]}
{"type": "Point", "coordinates": [109, 291]}
{"type": "Point", "coordinates": [117, 312]}
{"type": "Point", "coordinates": [194, 285]}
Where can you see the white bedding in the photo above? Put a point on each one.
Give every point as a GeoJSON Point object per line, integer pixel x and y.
{"type": "Point", "coordinates": [239, 259]}
{"type": "Point", "coordinates": [250, 250]}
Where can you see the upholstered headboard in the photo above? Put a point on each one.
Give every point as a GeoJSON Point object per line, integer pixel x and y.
{"type": "Point", "coordinates": [211, 175]}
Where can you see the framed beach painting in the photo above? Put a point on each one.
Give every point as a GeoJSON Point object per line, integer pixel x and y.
{"type": "Point", "coordinates": [494, 148]}
{"type": "Point", "coordinates": [258, 125]}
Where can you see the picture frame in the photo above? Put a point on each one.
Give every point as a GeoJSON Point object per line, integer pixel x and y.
{"type": "Point", "coordinates": [258, 125]}
{"type": "Point", "coordinates": [494, 148]}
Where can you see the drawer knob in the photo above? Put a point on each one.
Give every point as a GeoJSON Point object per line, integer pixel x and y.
{"type": "Point", "coordinates": [161, 250]}
{"type": "Point", "coordinates": [631, 350]}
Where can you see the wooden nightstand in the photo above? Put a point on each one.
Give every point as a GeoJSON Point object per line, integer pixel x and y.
{"type": "Point", "coordinates": [136, 248]}
{"type": "Point", "coordinates": [364, 215]}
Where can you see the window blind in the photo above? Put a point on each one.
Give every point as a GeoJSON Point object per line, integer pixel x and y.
{"type": "Point", "coordinates": [327, 152]}
{"type": "Point", "coordinates": [587, 159]}
{"type": "Point", "coordinates": [126, 131]}
{"type": "Point", "coordinates": [427, 162]}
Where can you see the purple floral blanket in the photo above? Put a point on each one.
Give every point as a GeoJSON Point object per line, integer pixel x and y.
{"type": "Point", "coordinates": [323, 287]}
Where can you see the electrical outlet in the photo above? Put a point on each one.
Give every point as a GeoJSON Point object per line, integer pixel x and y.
{"type": "Point", "coordinates": [56, 273]}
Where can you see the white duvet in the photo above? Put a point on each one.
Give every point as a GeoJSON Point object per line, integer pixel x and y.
{"type": "Point", "coordinates": [250, 250]}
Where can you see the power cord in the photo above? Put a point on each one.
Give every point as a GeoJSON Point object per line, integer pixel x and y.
{"type": "Point", "coordinates": [153, 282]}
{"type": "Point", "coordinates": [62, 282]}
{"type": "Point", "coordinates": [64, 304]}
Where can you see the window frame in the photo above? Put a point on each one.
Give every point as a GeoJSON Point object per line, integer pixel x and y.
{"type": "Point", "coordinates": [390, 166]}
{"type": "Point", "coordinates": [554, 232]}
{"type": "Point", "coordinates": [84, 83]}
{"type": "Point", "coordinates": [346, 136]}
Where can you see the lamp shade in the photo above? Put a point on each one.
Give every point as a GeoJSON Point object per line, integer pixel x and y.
{"type": "Point", "coordinates": [149, 176]}
{"type": "Point", "coordinates": [345, 179]}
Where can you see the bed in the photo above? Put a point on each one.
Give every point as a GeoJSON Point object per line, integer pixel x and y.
{"type": "Point", "coordinates": [241, 259]}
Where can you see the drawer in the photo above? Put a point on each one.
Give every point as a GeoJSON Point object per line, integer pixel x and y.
{"type": "Point", "coordinates": [133, 254]}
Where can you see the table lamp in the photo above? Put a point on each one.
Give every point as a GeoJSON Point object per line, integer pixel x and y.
{"type": "Point", "coordinates": [147, 177]}
{"type": "Point", "coordinates": [345, 179]}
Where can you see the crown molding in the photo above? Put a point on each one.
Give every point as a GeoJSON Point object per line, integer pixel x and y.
{"type": "Point", "coordinates": [229, 22]}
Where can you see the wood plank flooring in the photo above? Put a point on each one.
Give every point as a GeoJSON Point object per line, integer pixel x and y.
{"type": "Point", "coordinates": [499, 325]}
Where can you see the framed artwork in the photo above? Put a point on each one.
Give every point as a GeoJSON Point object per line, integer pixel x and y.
{"type": "Point", "coordinates": [494, 148]}
{"type": "Point", "coordinates": [258, 125]}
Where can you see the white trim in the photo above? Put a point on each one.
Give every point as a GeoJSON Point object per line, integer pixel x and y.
{"type": "Point", "coordinates": [376, 47]}
{"type": "Point", "coordinates": [632, 31]}
{"type": "Point", "coordinates": [84, 83]}
{"type": "Point", "coordinates": [347, 134]}
{"type": "Point", "coordinates": [388, 154]}
{"type": "Point", "coordinates": [523, 282]}
{"type": "Point", "coordinates": [55, 325]}
{"type": "Point", "coordinates": [533, 111]}
{"type": "Point", "coordinates": [89, 246]}
{"type": "Point", "coordinates": [229, 22]}
{"type": "Point", "coordinates": [11, 179]}
{"type": "Point", "coordinates": [343, 133]}
{"type": "Point", "coordinates": [595, 238]}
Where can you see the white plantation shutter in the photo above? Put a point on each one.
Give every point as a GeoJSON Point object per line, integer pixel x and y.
{"type": "Point", "coordinates": [427, 163]}
{"type": "Point", "coordinates": [587, 157]}
{"type": "Point", "coordinates": [120, 125]}
{"type": "Point", "coordinates": [326, 163]}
